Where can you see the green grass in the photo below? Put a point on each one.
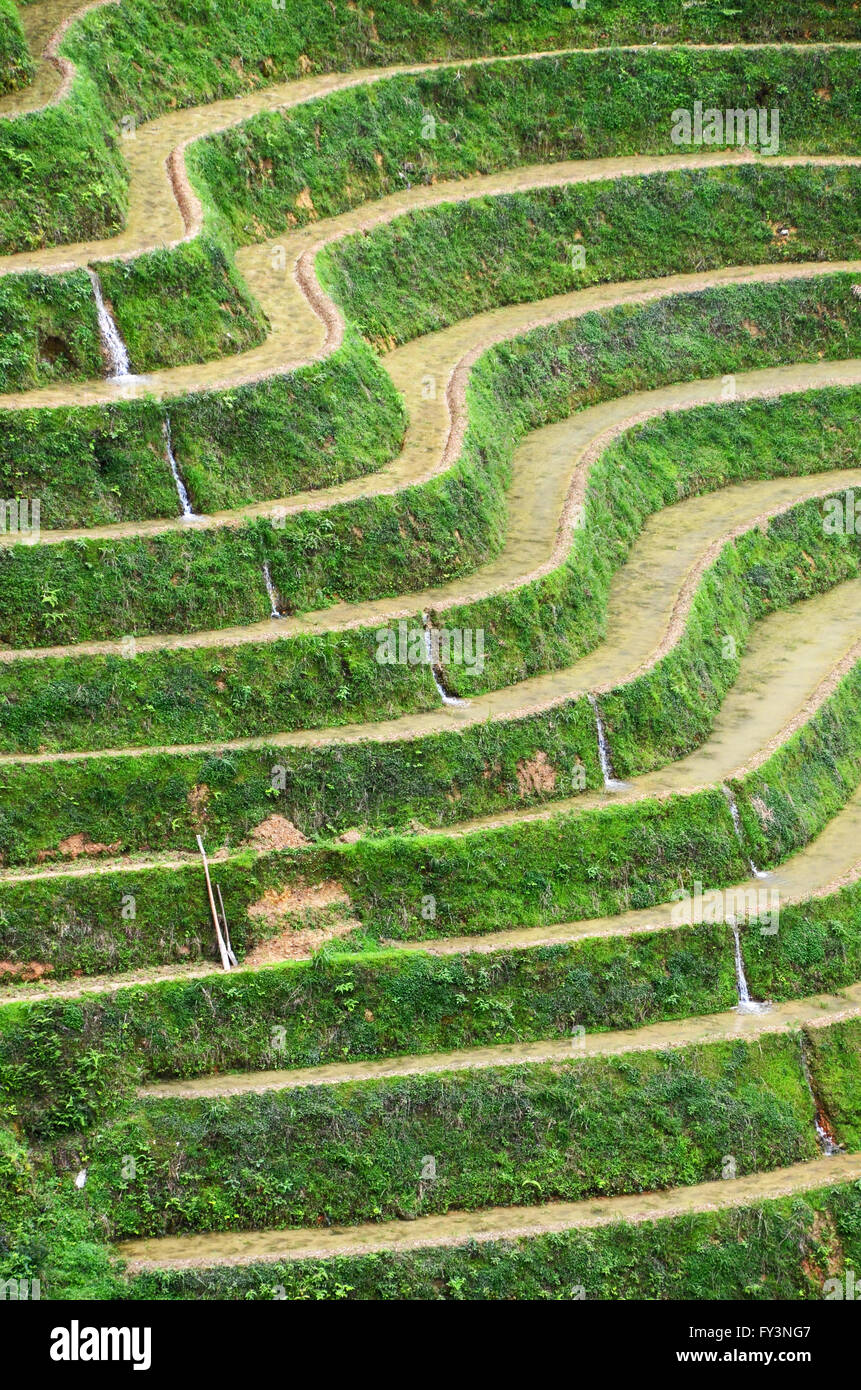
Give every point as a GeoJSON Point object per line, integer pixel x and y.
{"type": "Point", "coordinates": [506, 1136]}
{"type": "Point", "coordinates": [156, 57]}
{"type": "Point", "coordinates": [777, 1250]}
{"type": "Point", "coordinates": [792, 795]}
{"type": "Point", "coordinates": [84, 924]}
{"type": "Point", "coordinates": [16, 64]}
{"type": "Point", "coordinates": [96, 464]}
{"type": "Point", "coordinates": [64, 176]}
{"type": "Point", "coordinates": [487, 118]}
{"type": "Point", "coordinates": [48, 330]}
{"type": "Point", "coordinates": [188, 304]}
{"type": "Point", "coordinates": [438, 266]}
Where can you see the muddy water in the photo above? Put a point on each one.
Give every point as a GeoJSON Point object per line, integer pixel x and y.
{"type": "Point", "coordinates": [829, 862]}
{"type": "Point", "coordinates": [154, 218]}
{"type": "Point", "coordinates": [306, 325]}
{"type": "Point", "coordinates": [815, 1012]}
{"type": "Point", "coordinates": [494, 1223]}
{"type": "Point", "coordinates": [538, 538]}
{"type": "Point", "coordinates": [40, 22]}
{"type": "Point", "coordinates": [833, 858]}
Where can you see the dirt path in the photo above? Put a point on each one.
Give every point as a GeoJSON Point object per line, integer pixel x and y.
{"type": "Point", "coordinates": [816, 1012]}
{"type": "Point", "coordinates": [784, 676]}
{"type": "Point", "coordinates": [549, 478]}
{"type": "Point", "coordinates": [493, 1223]}
{"type": "Point", "coordinates": [45, 25]}
{"type": "Point", "coordinates": [828, 863]}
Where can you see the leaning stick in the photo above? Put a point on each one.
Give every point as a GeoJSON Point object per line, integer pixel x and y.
{"type": "Point", "coordinates": [233, 960]}
{"type": "Point", "coordinates": [222, 950]}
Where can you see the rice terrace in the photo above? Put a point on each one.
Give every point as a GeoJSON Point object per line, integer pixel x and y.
{"type": "Point", "coordinates": [430, 652]}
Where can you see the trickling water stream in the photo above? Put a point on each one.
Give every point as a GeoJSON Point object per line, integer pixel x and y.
{"type": "Point", "coordinates": [112, 343]}
{"type": "Point", "coordinates": [184, 499]}
{"type": "Point", "coordinates": [824, 1133]}
{"type": "Point", "coordinates": [611, 783]}
{"type": "Point", "coordinates": [739, 834]}
{"type": "Point", "coordinates": [746, 1005]}
{"type": "Point", "coordinates": [270, 589]}
{"type": "Point", "coordinates": [434, 670]}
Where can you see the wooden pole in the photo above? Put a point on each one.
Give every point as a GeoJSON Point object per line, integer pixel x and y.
{"type": "Point", "coordinates": [222, 950]}
{"type": "Point", "coordinates": [233, 960]}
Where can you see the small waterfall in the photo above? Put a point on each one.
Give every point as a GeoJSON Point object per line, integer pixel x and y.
{"type": "Point", "coordinates": [736, 821]}
{"type": "Point", "coordinates": [270, 589]}
{"type": "Point", "coordinates": [112, 343]}
{"type": "Point", "coordinates": [434, 670]}
{"type": "Point", "coordinates": [611, 783]}
{"type": "Point", "coordinates": [746, 1005]}
{"type": "Point", "coordinates": [184, 500]}
{"type": "Point", "coordinates": [824, 1134]}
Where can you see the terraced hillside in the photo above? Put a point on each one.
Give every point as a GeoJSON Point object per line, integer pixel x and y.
{"type": "Point", "coordinates": [430, 650]}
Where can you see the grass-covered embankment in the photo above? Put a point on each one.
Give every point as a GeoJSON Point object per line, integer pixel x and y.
{"type": "Point", "coordinates": [48, 332]}
{"type": "Point", "coordinates": [163, 800]}
{"type": "Point", "coordinates": [418, 274]}
{"type": "Point", "coordinates": [16, 63]}
{"type": "Point", "coordinates": [321, 158]}
{"type": "Point", "coordinates": [785, 802]}
{"type": "Point", "coordinates": [589, 863]}
{"type": "Point", "coordinates": [65, 1062]}
{"type": "Point", "coordinates": [64, 178]}
{"type": "Point", "coordinates": [437, 266]}
{"type": "Point", "coordinates": [51, 1246]}
{"type": "Point", "coordinates": [443, 528]}
{"type": "Point", "coordinates": [96, 464]}
{"type": "Point", "coordinates": [542, 376]}
{"type": "Point", "coordinates": [506, 1136]}
{"type": "Point", "coordinates": [130, 920]}
{"type": "Point", "coordinates": [166, 59]}
{"type": "Point", "coordinates": [188, 304]}
{"type": "Point", "coordinates": [776, 1250]}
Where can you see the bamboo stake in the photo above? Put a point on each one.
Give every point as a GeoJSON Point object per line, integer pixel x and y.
{"type": "Point", "coordinates": [222, 950]}
{"type": "Point", "coordinates": [233, 960]}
